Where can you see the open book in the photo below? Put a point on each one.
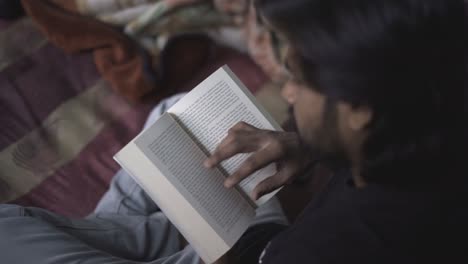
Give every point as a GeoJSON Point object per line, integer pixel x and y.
{"type": "Point", "coordinates": [166, 160]}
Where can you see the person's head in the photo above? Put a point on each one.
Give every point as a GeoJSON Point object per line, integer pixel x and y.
{"type": "Point", "coordinates": [380, 82]}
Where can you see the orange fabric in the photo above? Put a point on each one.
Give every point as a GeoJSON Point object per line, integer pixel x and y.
{"type": "Point", "coordinates": [117, 57]}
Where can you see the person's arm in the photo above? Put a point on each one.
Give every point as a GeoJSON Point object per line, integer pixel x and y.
{"type": "Point", "coordinates": [283, 148]}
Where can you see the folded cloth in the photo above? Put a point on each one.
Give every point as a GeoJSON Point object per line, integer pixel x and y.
{"type": "Point", "coordinates": [96, 7]}
{"type": "Point", "coordinates": [125, 16]}
{"type": "Point", "coordinates": [158, 19]}
{"type": "Point", "coordinates": [132, 62]}
{"type": "Point", "coordinates": [118, 58]}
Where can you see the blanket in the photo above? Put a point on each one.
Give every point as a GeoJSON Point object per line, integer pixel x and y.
{"type": "Point", "coordinates": [62, 122]}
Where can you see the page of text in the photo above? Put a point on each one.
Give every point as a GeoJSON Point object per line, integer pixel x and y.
{"type": "Point", "coordinates": [172, 150]}
{"type": "Point", "coordinates": [208, 244]}
{"type": "Point", "coordinates": [216, 105]}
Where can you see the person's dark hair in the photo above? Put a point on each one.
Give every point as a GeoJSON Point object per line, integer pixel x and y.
{"type": "Point", "coordinates": [405, 59]}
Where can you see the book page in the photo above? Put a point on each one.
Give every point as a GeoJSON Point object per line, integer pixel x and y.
{"type": "Point", "coordinates": [180, 160]}
{"type": "Point", "coordinates": [212, 108]}
{"type": "Point", "coordinates": [201, 236]}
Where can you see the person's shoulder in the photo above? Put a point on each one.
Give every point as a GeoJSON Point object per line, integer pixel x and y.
{"type": "Point", "coordinates": [330, 230]}
{"type": "Point", "coordinates": [374, 225]}
{"type": "Point", "coordinates": [327, 236]}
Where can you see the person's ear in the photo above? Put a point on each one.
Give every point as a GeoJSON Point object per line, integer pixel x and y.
{"type": "Point", "coordinates": [359, 118]}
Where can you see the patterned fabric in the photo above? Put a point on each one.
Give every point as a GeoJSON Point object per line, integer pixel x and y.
{"type": "Point", "coordinates": [95, 7]}
{"type": "Point", "coordinates": [150, 20]}
{"type": "Point", "coordinates": [61, 123]}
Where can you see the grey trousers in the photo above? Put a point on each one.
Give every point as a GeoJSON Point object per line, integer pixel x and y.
{"type": "Point", "coordinates": [126, 227]}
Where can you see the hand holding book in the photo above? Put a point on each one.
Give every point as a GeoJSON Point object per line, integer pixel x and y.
{"type": "Point", "coordinates": [166, 160]}
{"type": "Point", "coordinates": [282, 148]}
